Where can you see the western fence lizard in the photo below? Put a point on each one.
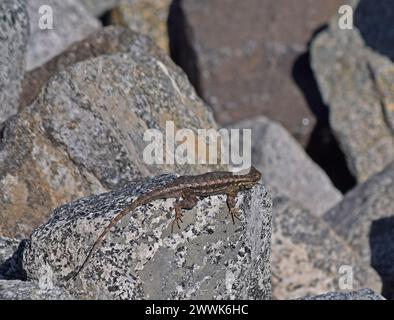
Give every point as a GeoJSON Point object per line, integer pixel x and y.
{"type": "Point", "coordinates": [188, 188]}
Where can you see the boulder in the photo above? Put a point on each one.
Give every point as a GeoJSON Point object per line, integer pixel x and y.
{"type": "Point", "coordinates": [286, 167]}
{"type": "Point", "coordinates": [358, 86]}
{"type": "Point", "coordinates": [308, 258]}
{"type": "Point", "coordinates": [14, 30]}
{"type": "Point", "coordinates": [105, 41]}
{"type": "Point", "coordinates": [84, 133]}
{"type": "Point", "coordinates": [140, 258]}
{"type": "Point", "coordinates": [248, 58]}
{"type": "Point", "coordinates": [365, 219]}
{"type": "Point", "coordinates": [71, 23]}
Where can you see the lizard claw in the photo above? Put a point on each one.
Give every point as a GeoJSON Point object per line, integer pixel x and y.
{"type": "Point", "coordinates": [235, 215]}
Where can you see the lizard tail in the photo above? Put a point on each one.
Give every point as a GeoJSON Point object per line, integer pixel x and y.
{"type": "Point", "coordinates": [99, 240]}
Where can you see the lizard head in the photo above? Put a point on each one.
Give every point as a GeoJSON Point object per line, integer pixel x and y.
{"type": "Point", "coordinates": [251, 178]}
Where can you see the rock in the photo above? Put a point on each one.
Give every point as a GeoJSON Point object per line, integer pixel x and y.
{"type": "Point", "coordinates": [14, 30]}
{"type": "Point", "coordinates": [307, 255]}
{"type": "Point", "coordinates": [11, 251]}
{"type": "Point", "coordinates": [23, 290]}
{"type": "Point", "coordinates": [71, 23]}
{"type": "Point", "coordinates": [365, 219]}
{"type": "Point", "coordinates": [99, 7]}
{"type": "Point", "coordinates": [148, 17]}
{"type": "Point", "coordinates": [362, 294]}
{"type": "Point", "coordinates": [286, 167]}
{"type": "Point", "coordinates": [84, 133]}
{"type": "Point", "coordinates": [105, 41]}
{"type": "Point", "coordinates": [208, 258]}
{"type": "Point", "coordinates": [358, 88]}
{"type": "Point", "coordinates": [241, 56]}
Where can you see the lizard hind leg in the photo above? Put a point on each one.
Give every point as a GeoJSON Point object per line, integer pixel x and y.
{"type": "Point", "coordinates": [189, 201]}
{"type": "Point", "coordinates": [231, 202]}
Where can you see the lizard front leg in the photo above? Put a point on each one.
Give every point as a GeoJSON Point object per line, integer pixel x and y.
{"type": "Point", "coordinates": [232, 193]}
{"type": "Point", "coordinates": [188, 202]}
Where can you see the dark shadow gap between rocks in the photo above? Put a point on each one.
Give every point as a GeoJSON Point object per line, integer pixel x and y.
{"type": "Point", "coordinates": [323, 147]}
{"type": "Point", "coordinates": [181, 50]}
{"type": "Point", "coordinates": [373, 19]}
{"type": "Point", "coordinates": [12, 268]}
{"type": "Point", "coordinates": [105, 18]}
{"type": "Point", "coordinates": [381, 242]}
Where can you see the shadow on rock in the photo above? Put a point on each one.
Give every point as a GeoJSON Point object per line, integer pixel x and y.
{"type": "Point", "coordinates": [323, 147]}
{"type": "Point", "coordinates": [381, 240]}
{"type": "Point", "coordinates": [375, 20]}
{"type": "Point", "coordinates": [12, 268]}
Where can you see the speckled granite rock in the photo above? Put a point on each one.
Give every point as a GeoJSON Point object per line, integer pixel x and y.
{"type": "Point", "coordinates": [209, 258]}
{"type": "Point", "coordinates": [84, 133]}
{"type": "Point", "coordinates": [358, 88]}
{"type": "Point", "coordinates": [287, 168]}
{"type": "Point", "coordinates": [145, 16]}
{"type": "Point", "coordinates": [14, 29]}
{"type": "Point", "coordinates": [362, 294]}
{"type": "Point", "coordinates": [307, 254]}
{"type": "Point", "coordinates": [98, 7]}
{"type": "Point", "coordinates": [109, 40]}
{"type": "Point", "coordinates": [11, 251]}
{"type": "Point", "coordinates": [24, 290]}
{"type": "Point", "coordinates": [246, 57]}
{"type": "Point", "coordinates": [71, 23]}
{"type": "Point", "coordinates": [365, 219]}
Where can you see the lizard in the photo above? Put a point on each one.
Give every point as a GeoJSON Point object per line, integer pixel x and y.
{"type": "Point", "coordinates": [188, 188]}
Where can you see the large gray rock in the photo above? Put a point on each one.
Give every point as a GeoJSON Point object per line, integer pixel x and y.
{"type": "Point", "coordinates": [209, 258]}
{"type": "Point", "coordinates": [365, 219]}
{"type": "Point", "coordinates": [84, 133]}
{"type": "Point", "coordinates": [14, 30]}
{"type": "Point", "coordinates": [71, 23]}
{"type": "Point", "coordinates": [24, 290]}
{"type": "Point", "coordinates": [105, 41]}
{"type": "Point", "coordinates": [245, 57]}
{"type": "Point", "coordinates": [287, 168]}
{"type": "Point", "coordinates": [358, 86]}
{"type": "Point", "coordinates": [11, 251]}
{"type": "Point", "coordinates": [362, 294]}
{"type": "Point", "coordinates": [307, 255]}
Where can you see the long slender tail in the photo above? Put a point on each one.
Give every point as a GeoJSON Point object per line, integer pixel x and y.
{"type": "Point", "coordinates": [96, 244]}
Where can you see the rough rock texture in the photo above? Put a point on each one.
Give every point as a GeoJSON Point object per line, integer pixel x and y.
{"type": "Point", "coordinates": [84, 133]}
{"type": "Point", "coordinates": [71, 23]}
{"type": "Point", "coordinates": [365, 219]}
{"type": "Point", "coordinates": [14, 29]}
{"type": "Point", "coordinates": [358, 88]}
{"type": "Point", "coordinates": [307, 255]}
{"type": "Point", "coordinates": [11, 251]}
{"type": "Point", "coordinates": [24, 290]}
{"type": "Point", "coordinates": [98, 7]}
{"type": "Point", "coordinates": [209, 258]}
{"type": "Point", "coordinates": [362, 294]}
{"type": "Point", "coordinates": [287, 168]}
{"type": "Point", "coordinates": [145, 16]}
{"type": "Point", "coordinates": [109, 40]}
{"type": "Point", "coordinates": [242, 55]}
